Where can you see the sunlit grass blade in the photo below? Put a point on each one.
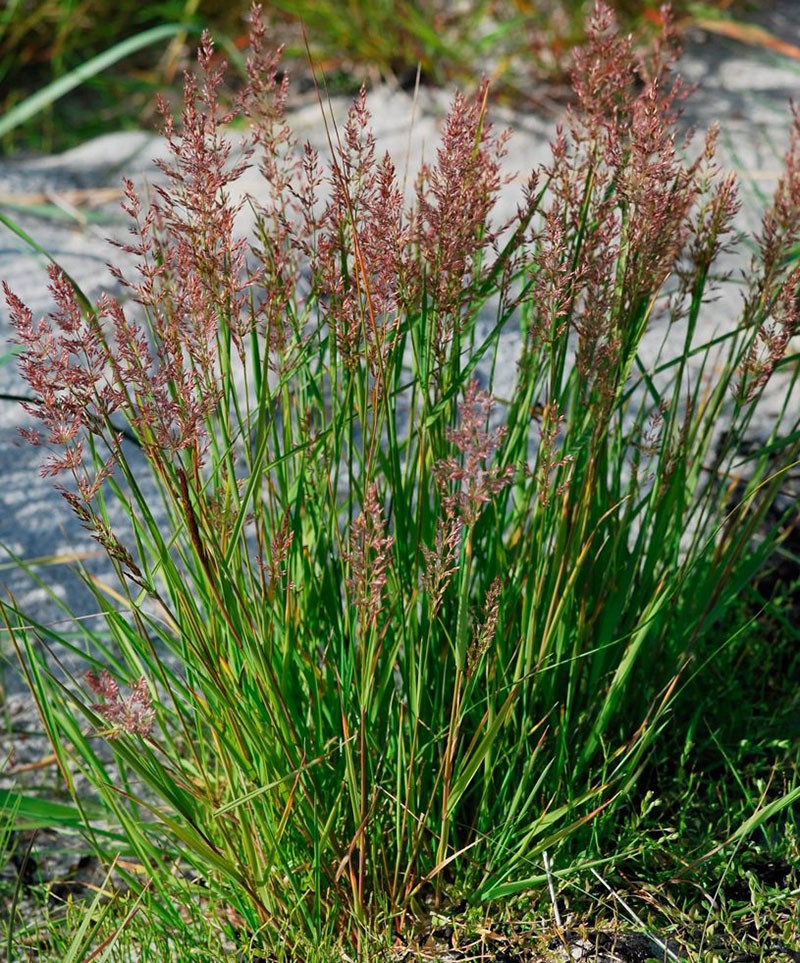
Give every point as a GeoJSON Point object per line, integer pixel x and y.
{"type": "Point", "coordinates": [37, 102]}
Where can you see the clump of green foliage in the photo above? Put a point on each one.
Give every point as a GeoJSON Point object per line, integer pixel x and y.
{"type": "Point", "coordinates": [383, 633]}
{"type": "Point", "coordinates": [104, 64]}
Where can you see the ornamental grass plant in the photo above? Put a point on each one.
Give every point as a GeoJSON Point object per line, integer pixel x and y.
{"type": "Point", "coordinates": [378, 633]}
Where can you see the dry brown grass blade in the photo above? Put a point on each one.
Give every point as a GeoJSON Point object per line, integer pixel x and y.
{"type": "Point", "coordinates": [89, 197]}
{"type": "Point", "coordinates": [44, 762]}
{"type": "Point", "coordinates": [750, 34]}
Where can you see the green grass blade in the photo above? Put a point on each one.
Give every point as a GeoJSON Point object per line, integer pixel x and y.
{"type": "Point", "coordinates": [31, 812]}
{"type": "Point", "coordinates": [37, 102]}
{"type": "Point", "coordinates": [23, 235]}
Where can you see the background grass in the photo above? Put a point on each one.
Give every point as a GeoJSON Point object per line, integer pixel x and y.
{"type": "Point", "coordinates": [518, 43]}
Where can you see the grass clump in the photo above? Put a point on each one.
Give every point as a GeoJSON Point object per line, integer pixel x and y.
{"type": "Point", "coordinates": [119, 58]}
{"type": "Point", "coordinates": [380, 636]}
